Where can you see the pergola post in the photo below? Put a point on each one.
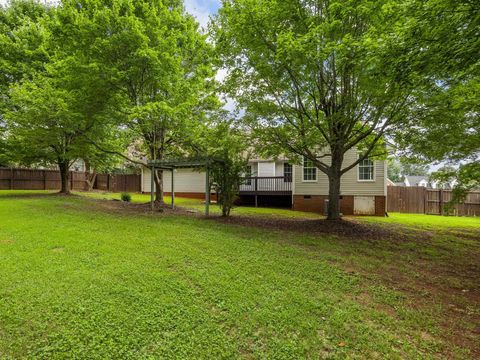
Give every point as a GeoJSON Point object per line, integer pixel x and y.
{"type": "Point", "coordinates": [207, 191]}
{"type": "Point", "coordinates": [173, 188]}
{"type": "Point", "coordinates": [152, 184]}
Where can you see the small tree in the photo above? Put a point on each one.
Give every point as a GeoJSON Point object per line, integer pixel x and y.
{"type": "Point", "coordinates": [227, 147]}
{"type": "Point", "coordinates": [227, 178]}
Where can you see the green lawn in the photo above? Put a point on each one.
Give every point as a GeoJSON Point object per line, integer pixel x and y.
{"type": "Point", "coordinates": [200, 207]}
{"type": "Point", "coordinates": [80, 281]}
{"type": "Point", "coordinates": [428, 221]}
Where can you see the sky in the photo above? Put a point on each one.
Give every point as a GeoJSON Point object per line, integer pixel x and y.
{"type": "Point", "coordinates": [201, 9]}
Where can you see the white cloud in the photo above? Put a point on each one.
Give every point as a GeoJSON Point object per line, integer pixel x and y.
{"type": "Point", "coordinates": [202, 9]}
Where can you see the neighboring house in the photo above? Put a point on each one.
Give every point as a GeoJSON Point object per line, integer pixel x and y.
{"type": "Point", "coordinates": [78, 165]}
{"type": "Point", "coordinates": [410, 180]}
{"type": "Point", "coordinates": [301, 187]}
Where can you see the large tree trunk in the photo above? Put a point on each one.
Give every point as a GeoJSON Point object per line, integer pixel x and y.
{"type": "Point", "coordinates": [159, 187]}
{"type": "Point", "coordinates": [63, 166]}
{"type": "Point", "coordinates": [334, 182]}
{"type": "Point", "coordinates": [333, 212]}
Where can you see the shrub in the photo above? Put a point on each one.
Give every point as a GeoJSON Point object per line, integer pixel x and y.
{"type": "Point", "coordinates": [126, 197]}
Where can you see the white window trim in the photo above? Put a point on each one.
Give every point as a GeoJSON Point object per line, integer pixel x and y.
{"type": "Point", "coordinates": [303, 174]}
{"type": "Point", "coordinates": [374, 173]}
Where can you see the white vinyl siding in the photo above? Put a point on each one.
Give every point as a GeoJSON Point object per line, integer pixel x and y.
{"type": "Point", "coordinates": [186, 180]}
{"type": "Point", "coordinates": [349, 182]}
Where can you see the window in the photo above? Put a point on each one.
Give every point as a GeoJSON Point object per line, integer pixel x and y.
{"type": "Point", "coordinates": [366, 170]}
{"type": "Point", "coordinates": [248, 175]}
{"type": "Point", "coordinates": [287, 172]}
{"type": "Point", "coordinates": [309, 170]}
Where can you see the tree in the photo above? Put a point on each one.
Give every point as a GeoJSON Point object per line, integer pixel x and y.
{"type": "Point", "coordinates": [317, 78]}
{"type": "Point", "coordinates": [227, 147]}
{"type": "Point", "coordinates": [413, 169]}
{"type": "Point", "coordinates": [442, 36]}
{"type": "Point", "coordinates": [161, 66]}
{"type": "Point", "coordinates": [55, 110]}
{"type": "Point", "coordinates": [394, 170]}
{"type": "Point", "coordinates": [54, 118]}
{"type": "Point", "coordinates": [23, 32]}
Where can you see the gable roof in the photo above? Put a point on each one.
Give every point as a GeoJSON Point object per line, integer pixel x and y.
{"type": "Point", "coordinates": [415, 180]}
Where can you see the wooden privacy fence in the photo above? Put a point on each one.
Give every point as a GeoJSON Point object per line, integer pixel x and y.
{"type": "Point", "coordinates": [33, 179]}
{"type": "Point", "coordinates": [420, 200]}
{"type": "Point", "coordinates": [118, 183]}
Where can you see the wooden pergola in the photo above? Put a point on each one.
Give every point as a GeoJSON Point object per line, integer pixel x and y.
{"type": "Point", "coordinates": [172, 165]}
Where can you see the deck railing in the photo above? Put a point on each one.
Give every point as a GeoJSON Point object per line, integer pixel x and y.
{"type": "Point", "coordinates": [274, 185]}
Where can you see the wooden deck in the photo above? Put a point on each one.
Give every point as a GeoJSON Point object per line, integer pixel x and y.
{"type": "Point", "coordinates": [269, 185]}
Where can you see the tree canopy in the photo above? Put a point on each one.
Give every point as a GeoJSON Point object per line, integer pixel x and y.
{"type": "Point", "coordinates": [317, 78]}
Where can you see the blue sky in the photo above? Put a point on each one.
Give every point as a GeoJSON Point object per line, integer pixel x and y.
{"type": "Point", "coordinates": [201, 9]}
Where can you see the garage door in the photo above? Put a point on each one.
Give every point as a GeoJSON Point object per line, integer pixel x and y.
{"type": "Point", "coordinates": [364, 205]}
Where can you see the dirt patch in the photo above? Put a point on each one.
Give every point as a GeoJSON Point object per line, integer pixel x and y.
{"type": "Point", "coordinates": [123, 207]}
{"type": "Point", "coordinates": [348, 228]}
{"type": "Point", "coordinates": [6, 241]}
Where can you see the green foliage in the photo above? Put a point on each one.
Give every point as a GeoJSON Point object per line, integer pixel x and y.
{"type": "Point", "coordinates": [58, 99]}
{"type": "Point", "coordinates": [126, 197]}
{"type": "Point", "coordinates": [466, 178]}
{"type": "Point", "coordinates": [24, 32]}
{"type": "Point", "coordinates": [443, 36]}
{"type": "Point", "coordinates": [227, 147]}
{"type": "Point", "coordinates": [160, 65]}
{"type": "Point", "coordinates": [413, 169]}
{"type": "Point", "coordinates": [394, 170]}
{"type": "Point", "coordinates": [317, 79]}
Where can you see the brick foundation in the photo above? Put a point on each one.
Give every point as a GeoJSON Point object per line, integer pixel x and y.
{"type": "Point", "coordinates": [316, 204]}
{"type": "Point", "coordinates": [380, 205]}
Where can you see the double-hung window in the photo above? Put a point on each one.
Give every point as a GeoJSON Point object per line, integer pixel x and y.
{"type": "Point", "coordinates": [366, 170]}
{"type": "Point", "coordinates": [309, 170]}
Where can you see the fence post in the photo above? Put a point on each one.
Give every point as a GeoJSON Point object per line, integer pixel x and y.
{"type": "Point", "coordinates": [108, 182]}
{"type": "Point", "coordinates": [425, 196]}
{"type": "Point", "coordinates": [440, 201]}
{"type": "Point", "coordinates": [44, 179]}
{"type": "Point", "coordinates": [12, 175]}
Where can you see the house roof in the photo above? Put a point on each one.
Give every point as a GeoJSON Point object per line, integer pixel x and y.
{"type": "Point", "coordinates": [415, 180]}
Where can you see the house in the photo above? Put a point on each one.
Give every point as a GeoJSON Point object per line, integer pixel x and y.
{"type": "Point", "coordinates": [423, 181]}
{"type": "Point", "coordinates": [302, 187]}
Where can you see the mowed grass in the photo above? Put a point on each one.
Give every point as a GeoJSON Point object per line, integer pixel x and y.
{"type": "Point", "coordinates": [428, 221]}
{"type": "Point", "coordinates": [79, 281]}
{"type": "Point", "coordinates": [199, 205]}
